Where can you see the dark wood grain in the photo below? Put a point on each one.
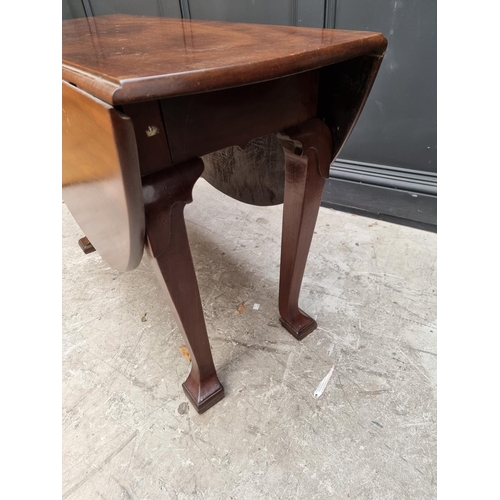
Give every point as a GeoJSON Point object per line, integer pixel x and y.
{"type": "Point", "coordinates": [254, 174]}
{"type": "Point", "coordinates": [343, 91]}
{"type": "Point", "coordinates": [308, 153]}
{"type": "Point", "coordinates": [101, 178]}
{"type": "Point", "coordinates": [152, 142]}
{"type": "Point", "coordinates": [202, 123]}
{"type": "Point", "coordinates": [165, 195]}
{"type": "Point", "coordinates": [123, 59]}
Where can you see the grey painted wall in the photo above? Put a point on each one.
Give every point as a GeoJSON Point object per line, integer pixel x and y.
{"type": "Point", "coordinates": [72, 9]}
{"type": "Point", "coordinates": [153, 8]}
{"type": "Point", "coordinates": [284, 12]}
{"type": "Point", "coordinates": [398, 124]}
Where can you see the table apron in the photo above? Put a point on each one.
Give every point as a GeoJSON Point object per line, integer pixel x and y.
{"type": "Point", "coordinates": [203, 123]}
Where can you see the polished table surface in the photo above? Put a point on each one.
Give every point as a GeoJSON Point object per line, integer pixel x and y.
{"type": "Point", "coordinates": [123, 59]}
{"type": "Point", "coordinates": [151, 104]}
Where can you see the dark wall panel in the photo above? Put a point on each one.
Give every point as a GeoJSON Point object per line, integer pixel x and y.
{"type": "Point", "coordinates": [398, 124]}
{"type": "Point", "coordinates": [155, 8]}
{"type": "Point", "coordinates": [311, 13]}
{"type": "Point", "coordinates": [72, 9]}
{"type": "Point", "coordinates": [283, 12]}
{"type": "Point", "coordinates": [258, 11]}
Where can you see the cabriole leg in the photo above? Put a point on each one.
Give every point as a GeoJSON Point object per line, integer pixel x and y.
{"type": "Point", "coordinates": [165, 195]}
{"type": "Point", "coordinates": [308, 150]}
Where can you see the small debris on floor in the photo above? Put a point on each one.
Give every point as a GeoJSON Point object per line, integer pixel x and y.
{"type": "Point", "coordinates": [256, 307]}
{"type": "Point", "coordinates": [376, 423]}
{"type": "Point", "coordinates": [240, 308]}
{"type": "Point", "coordinates": [322, 385]}
{"type": "Point", "coordinates": [185, 352]}
{"type": "Point", "coordinates": [183, 408]}
{"type": "Point", "coordinates": [143, 317]}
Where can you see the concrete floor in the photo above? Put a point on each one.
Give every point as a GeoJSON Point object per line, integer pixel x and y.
{"type": "Point", "coordinates": [128, 431]}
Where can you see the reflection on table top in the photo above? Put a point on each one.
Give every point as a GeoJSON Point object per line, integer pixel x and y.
{"type": "Point", "coordinates": [123, 59]}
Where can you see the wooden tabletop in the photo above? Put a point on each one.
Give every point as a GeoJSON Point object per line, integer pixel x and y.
{"type": "Point", "coordinates": [122, 59]}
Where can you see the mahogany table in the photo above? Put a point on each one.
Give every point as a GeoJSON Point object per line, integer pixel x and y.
{"type": "Point", "coordinates": [144, 99]}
